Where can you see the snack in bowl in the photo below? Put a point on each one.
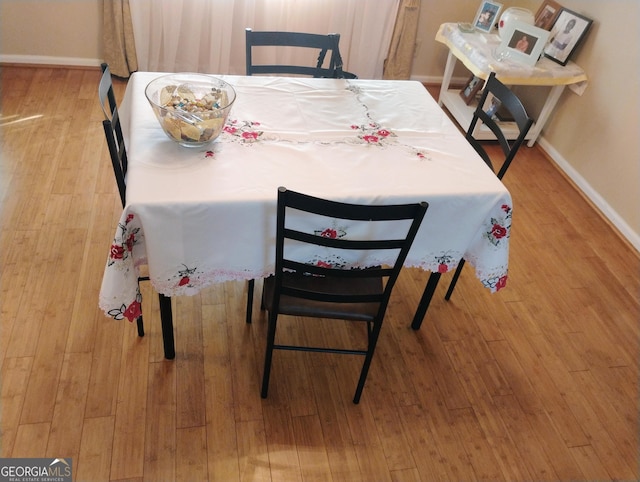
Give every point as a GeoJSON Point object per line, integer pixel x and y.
{"type": "Point", "coordinates": [191, 108]}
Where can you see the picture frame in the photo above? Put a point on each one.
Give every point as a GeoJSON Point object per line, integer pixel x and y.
{"type": "Point", "coordinates": [487, 16]}
{"type": "Point", "coordinates": [547, 14]}
{"type": "Point", "coordinates": [522, 43]}
{"type": "Point", "coordinates": [471, 88]}
{"type": "Point", "coordinates": [491, 105]}
{"type": "Point", "coordinates": [567, 32]}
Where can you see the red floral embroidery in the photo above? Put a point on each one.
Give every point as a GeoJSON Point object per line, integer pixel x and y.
{"type": "Point", "coordinates": [323, 264]}
{"type": "Point", "coordinates": [498, 231]}
{"type": "Point", "coordinates": [373, 133]}
{"type": "Point", "coordinates": [245, 130]}
{"type": "Point", "coordinates": [131, 240]}
{"type": "Point", "coordinates": [117, 252]}
{"type": "Point", "coordinates": [133, 311]}
{"type": "Point", "coordinates": [329, 233]}
{"type": "Point", "coordinates": [185, 277]}
{"type": "Point", "coordinates": [230, 129]}
{"type": "Point", "coordinates": [209, 154]}
{"type": "Point", "coordinates": [502, 282]}
{"type": "Point", "coordinates": [442, 268]}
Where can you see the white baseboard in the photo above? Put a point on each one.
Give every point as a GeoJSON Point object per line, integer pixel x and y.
{"type": "Point", "coordinates": [604, 207]}
{"type": "Point", "coordinates": [47, 60]}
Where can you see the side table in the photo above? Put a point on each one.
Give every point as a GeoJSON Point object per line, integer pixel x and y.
{"type": "Point", "coordinates": [476, 51]}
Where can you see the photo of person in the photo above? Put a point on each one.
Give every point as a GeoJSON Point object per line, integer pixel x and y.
{"type": "Point", "coordinates": [471, 86]}
{"type": "Point", "coordinates": [565, 35]}
{"type": "Point", "coordinates": [491, 105]}
{"type": "Point", "coordinates": [545, 18]}
{"type": "Point", "coordinates": [522, 42]}
{"type": "Point", "coordinates": [487, 16]}
{"type": "Point", "coordinates": [561, 40]}
{"type": "Point", "coordinates": [546, 14]}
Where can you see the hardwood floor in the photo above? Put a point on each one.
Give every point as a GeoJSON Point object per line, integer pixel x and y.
{"type": "Point", "coordinates": [536, 382]}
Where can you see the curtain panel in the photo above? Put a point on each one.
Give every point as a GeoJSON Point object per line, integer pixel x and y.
{"type": "Point", "coordinates": [119, 44]}
{"type": "Point", "coordinates": [403, 43]}
{"type": "Point", "coordinates": [209, 35]}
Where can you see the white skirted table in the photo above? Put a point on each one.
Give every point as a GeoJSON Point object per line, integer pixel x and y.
{"type": "Point", "coordinates": [198, 216]}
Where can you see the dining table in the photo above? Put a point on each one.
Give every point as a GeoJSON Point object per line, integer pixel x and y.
{"type": "Point", "coordinates": [197, 216]}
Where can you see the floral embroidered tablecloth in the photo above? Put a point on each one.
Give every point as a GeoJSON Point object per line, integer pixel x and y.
{"type": "Point", "coordinates": [198, 216]}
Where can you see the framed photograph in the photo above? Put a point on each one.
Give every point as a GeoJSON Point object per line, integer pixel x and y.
{"type": "Point", "coordinates": [491, 105]}
{"type": "Point", "coordinates": [487, 16]}
{"type": "Point", "coordinates": [547, 14]}
{"type": "Point", "coordinates": [495, 110]}
{"type": "Point", "coordinates": [522, 43]}
{"type": "Point", "coordinates": [471, 88]}
{"type": "Point", "coordinates": [567, 32]}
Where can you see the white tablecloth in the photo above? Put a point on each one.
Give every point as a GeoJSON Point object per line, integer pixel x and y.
{"type": "Point", "coordinates": [199, 216]}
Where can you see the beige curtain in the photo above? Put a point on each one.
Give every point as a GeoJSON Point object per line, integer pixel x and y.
{"type": "Point", "coordinates": [119, 45]}
{"type": "Point", "coordinates": [208, 35]}
{"type": "Point", "coordinates": [400, 59]}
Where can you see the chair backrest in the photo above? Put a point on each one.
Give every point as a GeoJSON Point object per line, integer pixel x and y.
{"type": "Point", "coordinates": [333, 253]}
{"type": "Point", "coordinates": [323, 44]}
{"type": "Point", "coordinates": [498, 97]}
{"type": "Point", "coordinates": [113, 131]}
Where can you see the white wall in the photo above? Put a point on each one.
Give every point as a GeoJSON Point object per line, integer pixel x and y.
{"type": "Point", "coordinates": [594, 137]}
{"type": "Point", "coordinates": [63, 32]}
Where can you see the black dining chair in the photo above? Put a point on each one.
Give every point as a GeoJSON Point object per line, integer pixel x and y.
{"type": "Point", "coordinates": [319, 46]}
{"type": "Point", "coordinates": [327, 287]}
{"type": "Point", "coordinates": [496, 97]}
{"type": "Point", "coordinates": [118, 154]}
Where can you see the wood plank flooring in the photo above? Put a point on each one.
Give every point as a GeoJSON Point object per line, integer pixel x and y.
{"type": "Point", "coordinates": [536, 382]}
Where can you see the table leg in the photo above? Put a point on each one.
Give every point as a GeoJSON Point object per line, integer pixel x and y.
{"type": "Point", "coordinates": [166, 317]}
{"type": "Point", "coordinates": [446, 78]}
{"type": "Point", "coordinates": [429, 290]}
{"type": "Point", "coordinates": [547, 109]}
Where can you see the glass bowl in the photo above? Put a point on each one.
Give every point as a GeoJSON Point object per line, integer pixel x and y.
{"type": "Point", "coordinates": [191, 108]}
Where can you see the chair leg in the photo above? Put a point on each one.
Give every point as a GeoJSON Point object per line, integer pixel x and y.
{"type": "Point", "coordinates": [140, 324]}
{"type": "Point", "coordinates": [166, 317]}
{"type": "Point", "coordinates": [271, 336]}
{"type": "Point", "coordinates": [454, 280]}
{"type": "Point", "coordinates": [423, 306]}
{"type": "Point", "coordinates": [139, 321]}
{"type": "Point", "coordinates": [373, 340]}
{"type": "Point", "coordinates": [250, 286]}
